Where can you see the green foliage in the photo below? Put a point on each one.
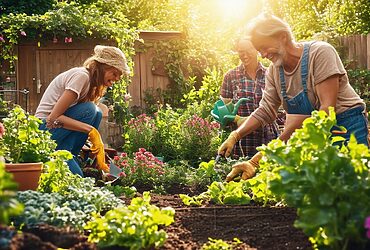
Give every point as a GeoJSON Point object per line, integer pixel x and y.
{"type": "Point", "coordinates": [207, 94]}
{"type": "Point", "coordinates": [9, 205]}
{"type": "Point", "coordinates": [333, 17]}
{"type": "Point", "coordinates": [224, 193]}
{"type": "Point", "coordinates": [56, 176]}
{"type": "Point", "coordinates": [118, 191]}
{"type": "Point", "coordinates": [134, 226]}
{"type": "Point", "coordinates": [214, 244]}
{"type": "Point", "coordinates": [25, 6]}
{"type": "Point", "coordinates": [166, 141]}
{"type": "Point", "coordinates": [208, 172]}
{"type": "Point", "coordinates": [67, 20]}
{"type": "Point", "coordinates": [360, 81]}
{"type": "Point", "coordinates": [72, 206]}
{"type": "Point", "coordinates": [329, 186]}
{"type": "Point", "coordinates": [23, 141]}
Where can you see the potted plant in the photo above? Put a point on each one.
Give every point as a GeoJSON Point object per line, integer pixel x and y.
{"type": "Point", "coordinates": [25, 147]}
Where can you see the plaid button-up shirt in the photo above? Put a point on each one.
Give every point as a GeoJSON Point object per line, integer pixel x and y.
{"type": "Point", "coordinates": [237, 84]}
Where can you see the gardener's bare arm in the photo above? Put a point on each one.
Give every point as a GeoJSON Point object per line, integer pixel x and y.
{"type": "Point", "coordinates": [57, 119]}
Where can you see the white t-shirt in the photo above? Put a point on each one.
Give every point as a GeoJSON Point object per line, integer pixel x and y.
{"type": "Point", "coordinates": [75, 79]}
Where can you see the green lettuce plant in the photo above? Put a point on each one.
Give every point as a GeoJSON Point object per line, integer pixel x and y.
{"type": "Point", "coordinates": [23, 141]}
{"type": "Point", "coordinates": [135, 226]}
{"type": "Point", "coordinates": [329, 185]}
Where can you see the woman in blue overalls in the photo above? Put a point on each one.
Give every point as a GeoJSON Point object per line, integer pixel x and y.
{"type": "Point", "coordinates": [303, 77]}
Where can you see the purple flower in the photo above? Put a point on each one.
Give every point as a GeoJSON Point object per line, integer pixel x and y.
{"type": "Point", "coordinates": [23, 33]}
{"type": "Point", "coordinates": [2, 39]}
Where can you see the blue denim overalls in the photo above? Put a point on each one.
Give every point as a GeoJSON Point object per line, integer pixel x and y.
{"type": "Point", "coordinates": [353, 120]}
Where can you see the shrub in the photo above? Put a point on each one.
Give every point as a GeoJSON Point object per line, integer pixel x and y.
{"type": "Point", "coordinates": [199, 139]}
{"type": "Point", "coordinates": [140, 132]}
{"type": "Point", "coordinates": [143, 169]}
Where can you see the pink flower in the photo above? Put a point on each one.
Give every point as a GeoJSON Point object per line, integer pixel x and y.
{"type": "Point", "coordinates": [2, 130]}
{"type": "Point", "coordinates": [367, 226]}
{"type": "Point", "coordinates": [2, 39]}
{"type": "Point", "coordinates": [67, 39]}
{"type": "Point", "coordinates": [23, 33]}
{"type": "Point", "coordinates": [127, 97]}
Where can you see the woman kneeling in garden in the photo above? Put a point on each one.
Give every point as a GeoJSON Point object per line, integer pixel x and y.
{"type": "Point", "coordinates": [68, 108]}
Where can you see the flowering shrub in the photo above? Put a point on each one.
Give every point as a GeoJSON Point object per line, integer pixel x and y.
{"type": "Point", "coordinates": [140, 131]}
{"type": "Point", "coordinates": [199, 139]}
{"type": "Point", "coordinates": [143, 169]}
{"type": "Point", "coordinates": [367, 227]}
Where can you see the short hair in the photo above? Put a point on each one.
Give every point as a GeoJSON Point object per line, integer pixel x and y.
{"type": "Point", "coordinates": [267, 25]}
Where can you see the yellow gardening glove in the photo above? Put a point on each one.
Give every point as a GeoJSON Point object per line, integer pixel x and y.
{"type": "Point", "coordinates": [228, 145]}
{"type": "Point", "coordinates": [247, 168]}
{"type": "Point", "coordinates": [97, 148]}
{"type": "Point", "coordinates": [239, 120]}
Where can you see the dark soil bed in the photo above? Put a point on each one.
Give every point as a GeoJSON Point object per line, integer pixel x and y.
{"type": "Point", "coordinates": [256, 227]}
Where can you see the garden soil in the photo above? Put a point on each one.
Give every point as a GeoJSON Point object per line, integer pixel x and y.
{"type": "Point", "coordinates": [257, 227]}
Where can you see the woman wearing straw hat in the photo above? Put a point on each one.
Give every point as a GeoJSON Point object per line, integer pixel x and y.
{"type": "Point", "coordinates": [68, 108]}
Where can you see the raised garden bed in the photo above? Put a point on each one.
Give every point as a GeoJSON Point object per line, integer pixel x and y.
{"type": "Point", "coordinates": [256, 227]}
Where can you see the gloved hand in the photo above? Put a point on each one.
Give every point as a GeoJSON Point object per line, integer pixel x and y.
{"type": "Point", "coordinates": [97, 148]}
{"type": "Point", "coordinates": [228, 144]}
{"type": "Point", "coordinates": [239, 120]}
{"type": "Point", "coordinates": [247, 168]}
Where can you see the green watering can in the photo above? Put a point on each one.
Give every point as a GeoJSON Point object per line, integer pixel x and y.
{"type": "Point", "coordinates": [225, 113]}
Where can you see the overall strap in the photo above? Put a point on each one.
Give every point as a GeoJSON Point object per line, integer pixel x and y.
{"type": "Point", "coordinates": [304, 65]}
{"type": "Point", "coordinates": [304, 72]}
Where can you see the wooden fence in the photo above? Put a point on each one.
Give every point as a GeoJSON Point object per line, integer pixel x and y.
{"type": "Point", "coordinates": [356, 50]}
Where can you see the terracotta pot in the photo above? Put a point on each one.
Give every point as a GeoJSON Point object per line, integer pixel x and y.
{"type": "Point", "coordinates": [27, 175]}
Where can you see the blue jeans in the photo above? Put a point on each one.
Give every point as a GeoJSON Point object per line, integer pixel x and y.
{"type": "Point", "coordinates": [355, 121]}
{"type": "Point", "coordinates": [73, 141]}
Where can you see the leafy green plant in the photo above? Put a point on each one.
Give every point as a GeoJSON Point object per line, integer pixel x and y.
{"type": "Point", "coordinates": [208, 172]}
{"type": "Point", "coordinates": [73, 206]}
{"type": "Point", "coordinates": [23, 141]}
{"type": "Point", "coordinates": [223, 193]}
{"type": "Point", "coordinates": [56, 176]}
{"type": "Point", "coordinates": [134, 226]}
{"type": "Point", "coordinates": [329, 186]}
{"type": "Point", "coordinates": [166, 141]}
{"type": "Point", "coordinates": [9, 205]}
{"type": "Point", "coordinates": [118, 191]}
{"type": "Point", "coordinates": [215, 244]}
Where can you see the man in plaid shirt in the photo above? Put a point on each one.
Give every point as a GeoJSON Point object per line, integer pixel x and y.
{"type": "Point", "coordinates": [248, 80]}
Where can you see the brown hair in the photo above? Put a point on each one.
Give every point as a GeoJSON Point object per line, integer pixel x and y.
{"type": "Point", "coordinates": [96, 73]}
